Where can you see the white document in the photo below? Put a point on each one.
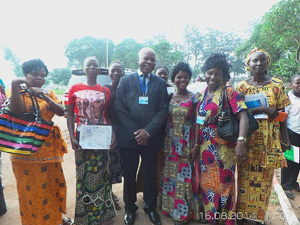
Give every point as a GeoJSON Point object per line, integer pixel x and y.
{"type": "Point", "coordinates": [170, 90]}
{"type": "Point", "coordinates": [257, 100]}
{"type": "Point", "coordinates": [95, 137]}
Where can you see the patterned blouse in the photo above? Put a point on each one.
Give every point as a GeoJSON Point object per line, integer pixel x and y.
{"type": "Point", "coordinates": [263, 145]}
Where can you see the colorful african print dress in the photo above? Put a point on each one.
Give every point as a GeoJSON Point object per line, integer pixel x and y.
{"type": "Point", "coordinates": [217, 162]}
{"type": "Point", "coordinates": [264, 151]}
{"type": "Point", "coordinates": [179, 189]}
{"type": "Point", "coordinates": [40, 179]}
{"type": "Point", "coordinates": [94, 203]}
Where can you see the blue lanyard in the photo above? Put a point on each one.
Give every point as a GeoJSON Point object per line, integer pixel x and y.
{"type": "Point", "coordinates": [204, 101]}
{"type": "Point", "coordinates": [142, 86]}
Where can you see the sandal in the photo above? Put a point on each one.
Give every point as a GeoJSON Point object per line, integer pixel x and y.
{"type": "Point", "coordinates": [118, 207]}
{"type": "Point", "coordinates": [116, 197]}
{"type": "Point", "coordinates": [67, 221]}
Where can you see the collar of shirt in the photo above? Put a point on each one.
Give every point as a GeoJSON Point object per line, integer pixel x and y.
{"type": "Point", "coordinates": [140, 73]}
{"type": "Point", "coordinates": [293, 110]}
{"type": "Point", "coordinates": [291, 95]}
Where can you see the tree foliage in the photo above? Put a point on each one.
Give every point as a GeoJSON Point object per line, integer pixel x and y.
{"type": "Point", "coordinates": [127, 52]}
{"type": "Point", "coordinates": [200, 44]}
{"type": "Point", "coordinates": [60, 76]}
{"type": "Point", "coordinates": [14, 60]}
{"type": "Point", "coordinates": [165, 53]}
{"type": "Point", "coordinates": [79, 49]}
{"type": "Point", "coordinates": [279, 34]}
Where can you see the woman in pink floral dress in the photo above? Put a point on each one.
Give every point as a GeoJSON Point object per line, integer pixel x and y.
{"type": "Point", "coordinates": [218, 157]}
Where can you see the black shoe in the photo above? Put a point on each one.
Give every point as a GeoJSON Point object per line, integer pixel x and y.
{"type": "Point", "coordinates": [289, 194]}
{"type": "Point", "coordinates": [129, 218]}
{"type": "Point", "coordinates": [153, 216]}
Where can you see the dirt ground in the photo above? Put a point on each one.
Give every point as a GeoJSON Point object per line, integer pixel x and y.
{"type": "Point", "coordinates": [12, 216]}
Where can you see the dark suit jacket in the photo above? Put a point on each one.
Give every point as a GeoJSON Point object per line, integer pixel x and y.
{"type": "Point", "coordinates": [134, 116]}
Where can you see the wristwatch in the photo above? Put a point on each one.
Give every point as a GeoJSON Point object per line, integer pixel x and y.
{"type": "Point", "coordinates": [242, 139]}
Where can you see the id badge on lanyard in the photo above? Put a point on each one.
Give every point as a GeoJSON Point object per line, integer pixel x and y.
{"type": "Point", "coordinates": [201, 119]}
{"type": "Point", "coordinates": [143, 100]}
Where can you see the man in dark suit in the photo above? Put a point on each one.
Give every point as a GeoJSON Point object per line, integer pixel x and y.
{"type": "Point", "coordinates": [142, 107]}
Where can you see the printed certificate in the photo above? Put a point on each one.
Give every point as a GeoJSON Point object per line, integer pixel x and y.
{"type": "Point", "coordinates": [95, 137]}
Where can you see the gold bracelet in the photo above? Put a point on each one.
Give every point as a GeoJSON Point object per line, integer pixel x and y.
{"type": "Point", "coordinates": [196, 145]}
{"type": "Point", "coordinates": [284, 144]}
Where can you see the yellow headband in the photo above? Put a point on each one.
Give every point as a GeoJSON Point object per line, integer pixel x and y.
{"type": "Point", "coordinates": [254, 51]}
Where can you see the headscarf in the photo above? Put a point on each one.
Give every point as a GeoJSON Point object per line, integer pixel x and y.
{"type": "Point", "coordinates": [254, 51]}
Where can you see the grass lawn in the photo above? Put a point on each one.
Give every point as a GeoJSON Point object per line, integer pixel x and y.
{"type": "Point", "coordinates": [59, 91]}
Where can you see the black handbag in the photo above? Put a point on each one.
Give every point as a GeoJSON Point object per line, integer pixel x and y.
{"type": "Point", "coordinates": [228, 124]}
{"type": "Point", "coordinates": [253, 124]}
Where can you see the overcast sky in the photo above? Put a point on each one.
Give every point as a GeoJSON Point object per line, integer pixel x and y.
{"type": "Point", "coordinates": [41, 29]}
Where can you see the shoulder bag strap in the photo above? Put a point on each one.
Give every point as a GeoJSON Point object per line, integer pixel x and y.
{"type": "Point", "coordinates": [225, 100]}
{"type": "Point", "coordinates": [36, 108]}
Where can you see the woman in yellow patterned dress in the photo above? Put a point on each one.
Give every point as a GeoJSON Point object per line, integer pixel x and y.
{"type": "Point", "coordinates": [40, 180]}
{"type": "Point", "coordinates": [264, 145]}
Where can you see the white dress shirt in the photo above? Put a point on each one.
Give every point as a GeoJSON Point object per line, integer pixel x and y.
{"type": "Point", "coordinates": [293, 110]}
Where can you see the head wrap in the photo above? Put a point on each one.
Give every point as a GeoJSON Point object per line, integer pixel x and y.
{"type": "Point", "coordinates": [254, 51]}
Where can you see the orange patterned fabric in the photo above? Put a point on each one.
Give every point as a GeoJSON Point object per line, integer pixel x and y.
{"type": "Point", "coordinates": [42, 192]}
{"type": "Point", "coordinates": [40, 180]}
{"type": "Point", "coordinates": [254, 190]}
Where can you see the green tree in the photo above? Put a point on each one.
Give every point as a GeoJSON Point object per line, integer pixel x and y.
{"type": "Point", "coordinates": [60, 76]}
{"type": "Point", "coordinates": [79, 49]}
{"type": "Point", "coordinates": [127, 53]}
{"type": "Point", "coordinates": [279, 34]}
{"type": "Point", "coordinates": [199, 44]}
{"type": "Point", "coordinates": [165, 54]}
{"type": "Point", "coordinates": [14, 60]}
{"type": "Point", "coordinates": [194, 44]}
